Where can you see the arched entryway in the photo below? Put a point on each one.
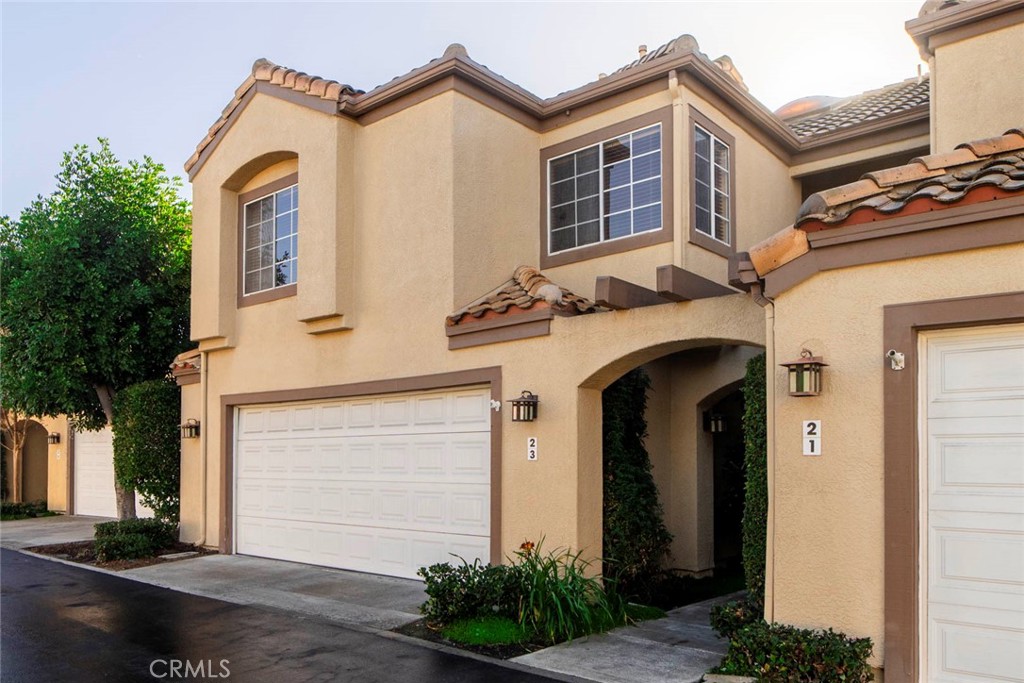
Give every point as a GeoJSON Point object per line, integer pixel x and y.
{"type": "Point", "coordinates": [698, 470]}
{"type": "Point", "coordinates": [34, 464]}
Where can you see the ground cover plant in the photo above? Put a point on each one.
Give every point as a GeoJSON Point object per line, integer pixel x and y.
{"type": "Point", "coordinates": [776, 653]}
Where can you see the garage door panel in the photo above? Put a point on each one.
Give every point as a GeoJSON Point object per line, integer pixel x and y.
{"type": "Point", "coordinates": [975, 504]}
{"type": "Point", "coordinates": [358, 548]}
{"type": "Point", "coordinates": [436, 412]}
{"type": "Point", "coordinates": [441, 458]}
{"type": "Point", "coordinates": [967, 652]}
{"type": "Point", "coordinates": [465, 510]}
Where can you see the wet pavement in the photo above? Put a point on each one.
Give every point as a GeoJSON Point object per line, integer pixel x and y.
{"type": "Point", "coordinates": [63, 623]}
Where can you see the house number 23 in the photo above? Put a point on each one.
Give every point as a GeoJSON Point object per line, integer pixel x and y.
{"type": "Point", "coordinates": [531, 448]}
{"type": "Point", "coordinates": [812, 437]}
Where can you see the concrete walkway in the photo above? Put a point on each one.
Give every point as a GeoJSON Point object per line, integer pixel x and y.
{"type": "Point", "coordinates": [676, 649]}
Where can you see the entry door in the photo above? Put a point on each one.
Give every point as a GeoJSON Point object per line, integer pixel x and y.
{"type": "Point", "coordinates": [973, 538]}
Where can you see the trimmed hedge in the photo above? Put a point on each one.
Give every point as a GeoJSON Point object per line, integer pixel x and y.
{"type": "Point", "coordinates": [775, 653]}
{"type": "Point", "coordinates": [755, 462]}
{"type": "Point", "coordinates": [636, 541]}
{"type": "Point", "coordinates": [456, 592]}
{"type": "Point", "coordinates": [130, 539]}
{"type": "Point", "coordinates": [147, 444]}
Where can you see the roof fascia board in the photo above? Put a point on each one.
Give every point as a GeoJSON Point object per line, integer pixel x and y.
{"type": "Point", "coordinates": [924, 29]}
{"type": "Point", "coordinates": [221, 132]}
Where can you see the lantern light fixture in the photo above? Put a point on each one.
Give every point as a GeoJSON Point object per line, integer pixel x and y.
{"type": "Point", "coordinates": [714, 422]}
{"type": "Point", "coordinates": [805, 374]}
{"type": "Point", "coordinates": [53, 437]}
{"type": "Point", "coordinates": [190, 429]}
{"type": "Point", "coordinates": [524, 408]}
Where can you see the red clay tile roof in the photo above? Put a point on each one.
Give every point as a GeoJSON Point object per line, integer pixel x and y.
{"type": "Point", "coordinates": [907, 95]}
{"type": "Point", "coordinates": [527, 289]}
{"type": "Point", "coordinates": [994, 163]}
{"type": "Point", "coordinates": [682, 44]}
{"type": "Point", "coordinates": [186, 363]}
{"type": "Point", "coordinates": [265, 70]}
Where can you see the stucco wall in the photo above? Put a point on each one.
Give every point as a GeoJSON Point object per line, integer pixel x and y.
{"type": "Point", "coordinates": [977, 87]}
{"type": "Point", "coordinates": [827, 512]}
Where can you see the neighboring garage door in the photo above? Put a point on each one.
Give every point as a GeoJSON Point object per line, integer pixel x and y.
{"type": "Point", "coordinates": [975, 515]}
{"type": "Point", "coordinates": [384, 484]}
{"type": "Point", "coordinates": [94, 476]}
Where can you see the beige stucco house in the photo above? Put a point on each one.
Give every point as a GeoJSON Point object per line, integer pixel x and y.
{"type": "Point", "coordinates": [376, 274]}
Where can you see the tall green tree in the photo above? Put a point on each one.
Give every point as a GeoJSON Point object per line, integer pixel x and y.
{"type": "Point", "coordinates": [94, 289]}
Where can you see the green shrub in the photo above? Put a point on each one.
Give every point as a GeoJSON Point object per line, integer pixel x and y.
{"type": "Point", "coordinates": [728, 618]}
{"type": "Point", "coordinates": [147, 444]}
{"type": "Point", "coordinates": [775, 653]}
{"type": "Point", "coordinates": [635, 538]}
{"type": "Point", "coordinates": [755, 501]}
{"type": "Point", "coordinates": [466, 591]}
{"type": "Point", "coordinates": [130, 539]}
{"type": "Point", "coordinates": [559, 601]}
{"type": "Point", "coordinates": [26, 510]}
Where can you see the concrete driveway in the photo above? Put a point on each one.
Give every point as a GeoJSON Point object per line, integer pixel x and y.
{"type": "Point", "coordinates": [24, 533]}
{"type": "Point", "coordinates": [677, 649]}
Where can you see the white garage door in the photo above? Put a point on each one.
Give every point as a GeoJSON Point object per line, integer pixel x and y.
{"type": "Point", "coordinates": [975, 515]}
{"type": "Point", "coordinates": [94, 476]}
{"type": "Point", "coordinates": [384, 484]}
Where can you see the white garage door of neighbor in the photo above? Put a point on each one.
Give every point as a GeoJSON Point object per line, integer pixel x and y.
{"type": "Point", "coordinates": [974, 547]}
{"type": "Point", "coordinates": [94, 476]}
{"type": "Point", "coordinates": [384, 484]}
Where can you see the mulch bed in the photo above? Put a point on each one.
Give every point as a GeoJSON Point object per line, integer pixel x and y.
{"type": "Point", "coordinates": [420, 629]}
{"type": "Point", "coordinates": [84, 552]}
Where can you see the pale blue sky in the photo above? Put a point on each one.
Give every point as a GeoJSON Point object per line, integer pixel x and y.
{"type": "Point", "coordinates": [152, 77]}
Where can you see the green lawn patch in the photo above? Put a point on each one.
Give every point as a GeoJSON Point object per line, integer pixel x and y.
{"type": "Point", "coordinates": [485, 631]}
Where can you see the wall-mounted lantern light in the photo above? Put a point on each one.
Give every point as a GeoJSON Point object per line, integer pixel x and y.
{"type": "Point", "coordinates": [524, 408]}
{"type": "Point", "coordinates": [53, 437]}
{"type": "Point", "coordinates": [714, 422]}
{"type": "Point", "coordinates": [805, 374]}
{"type": "Point", "coordinates": [190, 429]}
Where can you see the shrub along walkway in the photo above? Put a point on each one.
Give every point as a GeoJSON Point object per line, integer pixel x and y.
{"type": "Point", "coordinates": [677, 649]}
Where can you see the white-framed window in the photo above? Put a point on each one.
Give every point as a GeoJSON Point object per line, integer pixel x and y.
{"type": "Point", "coordinates": [607, 191]}
{"type": "Point", "coordinates": [711, 174]}
{"type": "Point", "coordinates": [271, 251]}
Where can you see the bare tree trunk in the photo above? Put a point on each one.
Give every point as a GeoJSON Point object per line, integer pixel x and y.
{"type": "Point", "coordinates": [14, 425]}
{"type": "Point", "coordinates": [125, 496]}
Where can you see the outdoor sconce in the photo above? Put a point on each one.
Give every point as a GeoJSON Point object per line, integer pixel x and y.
{"type": "Point", "coordinates": [805, 374]}
{"type": "Point", "coordinates": [714, 422]}
{"type": "Point", "coordinates": [190, 429]}
{"type": "Point", "coordinates": [524, 408]}
{"type": "Point", "coordinates": [53, 437]}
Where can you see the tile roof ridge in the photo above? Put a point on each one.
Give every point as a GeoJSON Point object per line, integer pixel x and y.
{"type": "Point", "coordinates": [527, 287]}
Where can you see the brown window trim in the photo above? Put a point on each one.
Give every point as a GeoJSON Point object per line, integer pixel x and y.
{"type": "Point", "coordinates": [663, 234]}
{"type": "Point", "coordinates": [266, 295]}
{"type": "Point", "coordinates": [902, 324]}
{"type": "Point", "coordinates": [696, 237]}
{"type": "Point", "coordinates": [490, 376]}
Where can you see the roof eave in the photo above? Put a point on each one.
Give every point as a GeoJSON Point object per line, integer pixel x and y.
{"type": "Point", "coordinates": [924, 28]}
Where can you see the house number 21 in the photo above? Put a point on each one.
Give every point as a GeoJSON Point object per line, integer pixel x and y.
{"type": "Point", "coordinates": [812, 437]}
{"type": "Point", "coordinates": [531, 448]}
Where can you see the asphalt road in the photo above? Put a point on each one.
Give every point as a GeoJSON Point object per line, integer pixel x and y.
{"type": "Point", "coordinates": [62, 623]}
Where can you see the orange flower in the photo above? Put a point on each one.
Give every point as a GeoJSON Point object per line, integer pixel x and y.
{"type": "Point", "coordinates": [527, 547]}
